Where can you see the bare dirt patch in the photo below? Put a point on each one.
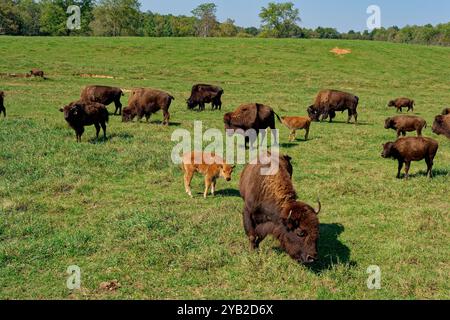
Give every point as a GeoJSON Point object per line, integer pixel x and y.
{"type": "Point", "coordinates": [340, 52]}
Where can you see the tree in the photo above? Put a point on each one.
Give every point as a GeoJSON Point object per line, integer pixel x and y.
{"type": "Point", "coordinates": [53, 18]}
{"type": "Point", "coordinates": [280, 20]}
{"type": "Point", "coordinates": [228, 29]}
{"type": "Point", "coordinates": [117, 18]}
{"type": "Point", "coordinates": [206, 13]}
{"type": "Point", "coordinates": [10, 20]}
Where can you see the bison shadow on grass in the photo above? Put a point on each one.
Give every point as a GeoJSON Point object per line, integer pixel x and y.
{"type": "Point", "coordinates": [331, 250]}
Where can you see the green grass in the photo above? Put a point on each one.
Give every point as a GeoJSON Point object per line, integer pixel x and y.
{"type": "Point", "coordinates": [118, 209]}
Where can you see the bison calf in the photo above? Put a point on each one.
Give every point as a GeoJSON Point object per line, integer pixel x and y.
{"type": "Point", "coordinates": [410, 149]}
{"type": "Point", "coordinates": [401, 103]}
{"type": "Point", "coordinates": [2, 106]}
{"type": "Point", "coordinates": [403, 124]}
{"type": "Point", "coordinates": [81, 113]}
{"type": "Point", "coordinates": [441, 125]}
{"type": "Point", "coordinates": [207, 164]}
{"type": "Point", "coordinates": [296, 123]}
{"type": "Point", "coordinates": [271, 208]}
{"type": "Point", "coordinates": [145, 102]}
{"type": "Point", "coordinates": [37, 73]}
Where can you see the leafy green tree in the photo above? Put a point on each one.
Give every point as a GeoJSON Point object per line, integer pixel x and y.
{"type": "Point", "coordinates": [279, 20]}
{"type": "Point", "coordinates": [10, 19]}
{"type": "Point", "coordinates": [228, 29]}
{"type": "Point", "coordinates": [53, 18]}
{"type": "Point", "coordinates": [117, 18]}
{"type": "Point", "coordinates": [207, 22]}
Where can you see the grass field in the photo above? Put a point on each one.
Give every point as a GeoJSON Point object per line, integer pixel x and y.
{"type": "Point", "coordinates": [118, 209]}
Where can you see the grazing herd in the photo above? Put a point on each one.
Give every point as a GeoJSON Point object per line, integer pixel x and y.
{"type": "Point", "coordinates": [271, 206]}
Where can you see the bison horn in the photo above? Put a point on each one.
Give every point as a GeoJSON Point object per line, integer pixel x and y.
{"type": "Point", "coordinates": [290, 214]}
{"type": "Point", "coordinates": [320, 207]}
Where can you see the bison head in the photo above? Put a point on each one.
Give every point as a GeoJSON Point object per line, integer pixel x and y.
{"type": "Point", "coordinates": [302, 232]}
{"type": "Point", "coordinates": [388, 150]}
{"type": "Point", "coordinates": [191, 104]}
{"type": "Point", "coordinates": [314, 113]}
{"type": "Point", "coordinates": [128, 114]}
{"type": "Point", "coordinates": [72, 111]}
{"type": "Point", "coordinates": [391, 103]}
{"type": "Point", "coordinates": [226, 171]}
{"type": "Point", "coordinates": [389, 123]}
{"type": "Point", "coordinates": [441, 125]}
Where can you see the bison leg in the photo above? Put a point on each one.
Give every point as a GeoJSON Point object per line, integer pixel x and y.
{"type": "Point", "coordinates": [429, 162]}
{"type": "Point", "coordinates": [400, 166]}
{"type": "Point", "coordinates": [4, 112]}
{"type": "Point", "coordinates": [166, 117]}
{"type": "Point", "coordinates": [213, 187]}
{"type": "Point", "coordinates": [208, 183]}
{"type": "Point", "coordinates": [355, 115]}
{"type": "Point", "coordinates": [307, 133]}
{"type": "Point", "coordinates": [399, 133]}
{"type": "Point", "coordinates": [262, 231]}
{"type": "Point", "coordinates": [97, 129]}
{"type": "Point", "coordinates": [118, 107]}
{"type": "Point", "coordinates": [249, 228]}
{"type": "Point", "coordinates": [188, 174]}
{"type": "Point", "coordinates": [104, 129]}
{"type": "Point", "coordinates": [407, 166]}
{"type": "Point", "coordinates": [419, 132]}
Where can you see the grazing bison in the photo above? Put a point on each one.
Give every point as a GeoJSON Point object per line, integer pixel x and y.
{"type": "Point", "coordinates": [104, 95]}
{"type": "Point", "coordinates": [2, 106]}
{"type": "Point", "coordinates": [410, 149]}
{"type": "Point", "coordinates": [401, 103]}
{"type": "Point", "coordinates": [441, 125]}
{"type": "Point", "coordinates": [83, 113]}
{"type": "Point", "coordinates": [271, 208]}
{"type": "Point", "coordinates": [403, 124]}
{"type": "Point", "coordinates": [37, 73]}
{"type": "Point", "coordinates": [296, 123]}
{"type": "Point", "coordinates": [145, 102]}
{"type": "Point", "coordinates": [328, 102]}
{"type": "Point", "coordinates": [446, 111]}
{"type": "Point", "coordinates": [207, 164]}
{"type": "Point", "coordinates": [250, 116]}
{"type": "Point", "coordinates": [205, 93]}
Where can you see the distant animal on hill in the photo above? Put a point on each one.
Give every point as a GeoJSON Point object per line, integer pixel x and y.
{"type": "Point", "coordinates": [403, 124]}
{"type": "Point", "coordinates": [271, 208]}
{"type": "Point", "coordinates": [441, 125]}
{"type": "Point", "coordinates": [37, 73]}
{"type": "Point", "coordinates": [2, 105]}
{"type": "Point", "coordinates": [202, 94]}
{"type": "Point", "coordinates": [254, 116]}
{"type": "Point", "coordinates": [401, 103]}
{"type": "Point", "coordinates": [405, 150]}
{"type": "Point", "coordinates": [145, 102]}
{"type": "Point", "coordinates": [207, 164]}
{"type": "Point", "coordinates": [104, 95]}
{"type": "Point", "coordinates": [328, 102]}
{"type": "Point", "coordinates": [79, 114]}
{"type": "Point", "coordinates": [296, 123]}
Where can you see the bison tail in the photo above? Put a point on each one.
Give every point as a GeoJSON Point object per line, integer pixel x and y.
{"type": "Point", "coordinates": [278, 117]}
{"type": "Point", "coordinates": [425, 126]}
{"type": "Point", "coordinates": [171, 97]}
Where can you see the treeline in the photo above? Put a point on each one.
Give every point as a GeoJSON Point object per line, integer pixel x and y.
{"type": "Point", "coordinates": [125, 18]}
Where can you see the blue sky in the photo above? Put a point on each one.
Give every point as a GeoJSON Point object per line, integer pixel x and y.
{"type": "Point", "coordinates": [343, 15]}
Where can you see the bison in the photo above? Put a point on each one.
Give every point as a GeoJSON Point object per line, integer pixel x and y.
{"type": "Point", "coordinates": [104, 95]}
{"type": "Point", "coordinates": [446, 111]}
{"type": "Point", "coordinates": [254, 116]}
{"type": "Point", "coordinates": [79, 114]}
{"type": "Point", "coordinates": [271, 208]}
{"type": "Point", "coordinates": [37, 73]}
{"type": "Point", "coordinates": [296, 123]}
{"type": "Point", "coordinates": [2, 106]}
{"type": "Point", "coordinates": [405, 150]}
{"type": "Point", "coordinates": [403, 124]}
{"type": "Point", "coordinates": [205, 93]}
{"type": "Point", "coordinates": [401, 103]}
{"type": "Point", "coordinates": [328, 102]}
{"type": "Point", "coordinates": [145, 102]}
{"type": "Point", "coordinates": [441, 125]}
{"type": "Point", "coordinates": [208, 164]}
